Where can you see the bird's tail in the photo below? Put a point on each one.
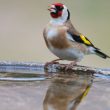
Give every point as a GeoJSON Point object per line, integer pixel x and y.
{"type": "Point", "coordinates": [101, 54]}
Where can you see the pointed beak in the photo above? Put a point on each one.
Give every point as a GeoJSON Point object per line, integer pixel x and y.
{"type": "Point", "coordinates": [49, 8]}
{"type": "Point", "coordinates": [52, 9]}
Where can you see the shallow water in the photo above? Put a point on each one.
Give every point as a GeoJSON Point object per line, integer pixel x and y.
{"type": "Point", "coordinates": [54, 91]}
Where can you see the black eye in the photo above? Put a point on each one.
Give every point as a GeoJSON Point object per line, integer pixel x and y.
{"type": "Point", "coordinates": [59, 8]}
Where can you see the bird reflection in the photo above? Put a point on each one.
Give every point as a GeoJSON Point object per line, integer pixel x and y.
{"type": "Point", "coordinates": [67, 90]}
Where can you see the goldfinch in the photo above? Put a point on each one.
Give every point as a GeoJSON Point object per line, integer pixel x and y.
{"type": "Point", "coordinates": [63, 40]}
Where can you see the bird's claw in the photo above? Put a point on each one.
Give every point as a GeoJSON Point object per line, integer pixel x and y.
{"type": "Point", "coordinates": [70, 66]}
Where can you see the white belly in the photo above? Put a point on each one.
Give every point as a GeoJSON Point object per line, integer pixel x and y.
{"type": "Point", "coordinates": [68, 54]}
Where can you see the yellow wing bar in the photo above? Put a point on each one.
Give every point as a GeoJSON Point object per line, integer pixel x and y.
{"type": "Point", "coordinates": [86, 41]}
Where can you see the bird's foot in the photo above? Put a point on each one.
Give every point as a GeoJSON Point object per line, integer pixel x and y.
{"type": "Point", "coordinates": [70, 66]}
{"type": "Point", "coordinates": [52, 62]}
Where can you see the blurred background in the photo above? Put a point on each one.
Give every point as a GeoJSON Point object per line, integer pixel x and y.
{"type": "Point", "coordinates": [22, 23]}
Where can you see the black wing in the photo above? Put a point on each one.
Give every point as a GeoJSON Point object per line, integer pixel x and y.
{"type": "Point", "coordinates": [81, 39]}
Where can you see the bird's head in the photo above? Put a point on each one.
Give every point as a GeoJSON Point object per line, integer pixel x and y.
{"type": "Point", "coordinates": [59, 11]}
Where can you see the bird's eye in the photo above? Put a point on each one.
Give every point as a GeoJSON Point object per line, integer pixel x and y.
{"type": "Point", "coordinates": [59, 8]}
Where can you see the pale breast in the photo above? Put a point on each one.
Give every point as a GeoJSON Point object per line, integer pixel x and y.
{"type": "Point", "coordinates": [68, 53]}
{"type": "Point", "coordinates": [57, 37]}
{"type": "Point", "coordinates": [52, 33]}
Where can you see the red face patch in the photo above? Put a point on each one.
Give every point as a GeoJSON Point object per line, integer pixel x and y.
{"type": "Point", "coordinates": [56, 15]}
{"type": "Point", "coordinates": [58, 10]}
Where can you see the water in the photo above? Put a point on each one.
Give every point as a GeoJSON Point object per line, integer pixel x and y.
{"type": "Point", "coordinates": [43, 90]}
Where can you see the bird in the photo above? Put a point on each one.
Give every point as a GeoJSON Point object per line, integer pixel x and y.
{"type": "Point", "coordinates": [63, 40]}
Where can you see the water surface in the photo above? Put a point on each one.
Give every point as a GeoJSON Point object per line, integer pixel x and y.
{"type": "Point", "coordinates": [54, 91]}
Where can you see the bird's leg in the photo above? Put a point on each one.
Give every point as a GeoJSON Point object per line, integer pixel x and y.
{"type": "Point", "coordinates": [52, 62]}
{"type": "Point", "coordinates": [71, 65]}
{"type": "Point", "coordinates": [55, 61]}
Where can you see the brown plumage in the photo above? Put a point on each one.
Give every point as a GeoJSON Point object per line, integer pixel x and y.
{"type": "Point", "coordinates": [59, 40]}
{"type": "Point", "coordinates": [71, 28]}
